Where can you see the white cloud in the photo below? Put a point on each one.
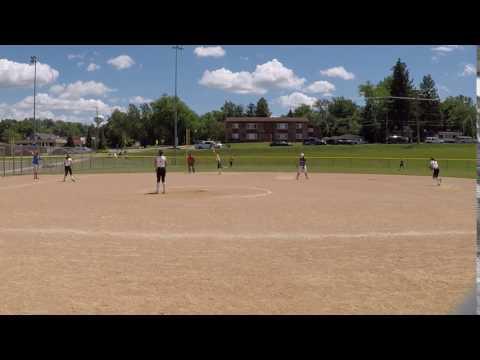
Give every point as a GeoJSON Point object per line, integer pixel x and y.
{"type": "Point", "coordinates": [209, 51]}
{"type": "Point", "coordinates": [338, 71]}
{"type": "Point", "coordinates": [93, 67]}
{"type": "Point", "coordinates": [51, 107]}
{"type": "Point", "coordinates": [468, 70]}
{"type": "Point", "coordinates": [238, 82]}
{"type": "Point", "coordinates": [121, 62]}
{"type": "Point", "coordinates": [322, 87]}
{"type": "Point", "coordinates": [271, 74]}
{"type": "Point", "coordinates": [296, 99]}
{"type": "Point", "coordinates": [446, 48]}
{"type": "Point", "coordinates": [80, 89]}
{"type": "Point", "coordinates": [478, 86]}
{"type": "Point", "coordinates": [13, 74]}
{"type": "Point", "coordinates": [139, 100]}
{"type": "Point", "coordinates": [75, 56]}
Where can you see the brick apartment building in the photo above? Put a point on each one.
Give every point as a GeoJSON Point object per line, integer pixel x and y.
{"type": "Point", "coordinates": [243, 129]}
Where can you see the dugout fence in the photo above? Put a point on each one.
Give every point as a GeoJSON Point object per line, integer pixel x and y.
{"type": "Point", "coordinates": [102, 163]}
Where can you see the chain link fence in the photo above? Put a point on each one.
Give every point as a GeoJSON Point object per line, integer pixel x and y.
{"type": "Point", "coordinates": [91, 163]}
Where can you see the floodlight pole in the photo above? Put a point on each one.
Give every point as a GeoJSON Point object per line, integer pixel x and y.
{"type": "Point", "coordinates": [176, 48]}
{"type": "Point", "coordinates": [33, 60]}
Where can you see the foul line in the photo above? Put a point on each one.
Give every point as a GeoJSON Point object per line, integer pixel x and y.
{"type": "Point", "coordinates": [221, 236]}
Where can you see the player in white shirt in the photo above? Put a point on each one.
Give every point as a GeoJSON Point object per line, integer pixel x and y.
{"type": "Point", "coordinates": [436, 170]}
{"type": "Point", "coordinates": [219, 162]}
{"type": "Point", "coordinates": [68, 167]}
{"type": "Point", "coordinates": [161, 170]}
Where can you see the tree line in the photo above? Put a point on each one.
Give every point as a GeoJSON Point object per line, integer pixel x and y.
{"type": "Point", "coordinates": [380, 116]}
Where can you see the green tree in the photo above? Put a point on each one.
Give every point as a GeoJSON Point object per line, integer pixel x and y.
{"type": "Point", "coordinates": [429, 111]}
{"type": "Point", "coordinates": [343, 117]}
{"type": "Point", "coordinates": [401, 86]}
{"type": "Point", "coordinates": [459, 114]}
{"type": "Point", "coordinates": [231, 109]}
{"type": "Point", "coordinates": [211, 127]}
{"type": "Point", "coordinates": [262, 109]}
{"type": "Point", "coordinates": [303, 111]}
{"type": "Point", "coordinates": [374, 114]}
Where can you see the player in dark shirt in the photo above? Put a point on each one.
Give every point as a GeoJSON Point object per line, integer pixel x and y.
{"type": "Point", "coordinates": [302, 166]}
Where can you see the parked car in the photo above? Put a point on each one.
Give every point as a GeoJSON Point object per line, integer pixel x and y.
{"type": "Point", "coordinates": [314, 141]}
{"type": "Point", "coordinates": [465, 140]}
{"type": "Point", "coordinates": [279, 143]}
{"type": "Point", "coordinates": [397, 139]}
{"type": "Point", "coordinates": [433, 140]}
{"type": "Point", "coordinates": [208, 144]}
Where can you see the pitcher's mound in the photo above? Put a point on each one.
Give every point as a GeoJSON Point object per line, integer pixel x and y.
{"type": "Point", "coordinates": [215, 192]}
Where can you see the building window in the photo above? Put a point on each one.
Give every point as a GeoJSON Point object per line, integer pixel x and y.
{"type": "Point", "coordinates": [282, 136]}
{"type": "Point", "coordinates": [235, 136]}
{"type": "Point", "coordinates": [251, 136]}
{"type": "Point", "coordinates": [299, 136]}
{"type": "Point", "coordinates": [235, 126]}
{"type": "Point", "coordinates": [251, 126]}
{"type": "Point", "coordinates": [282, 126]}
{"type": "Point", "coordinates": [310, 130]}
{"type": "Point", "coordinates": [299, 126]}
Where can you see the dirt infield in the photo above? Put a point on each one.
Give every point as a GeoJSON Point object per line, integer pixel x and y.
{"type": "Point", "coordinates": [238, 243]}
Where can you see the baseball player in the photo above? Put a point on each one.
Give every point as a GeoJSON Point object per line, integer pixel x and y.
{"type": "Point", "coordinates": [436, 171]}
{"type": "Point", "coordinates": [161, 170]}
{"type": "Point", "coordinates": [302, 166]}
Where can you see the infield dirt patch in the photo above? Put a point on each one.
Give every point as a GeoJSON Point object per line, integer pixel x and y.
{"type": "Point", "coordinates": [236, 243]}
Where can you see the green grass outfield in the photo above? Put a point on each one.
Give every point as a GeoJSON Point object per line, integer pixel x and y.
{"type": "Point", "coordinates": [456, 160]}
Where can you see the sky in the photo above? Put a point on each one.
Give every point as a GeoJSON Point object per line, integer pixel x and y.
{"type": "Point", "coordinates": [74, 81]}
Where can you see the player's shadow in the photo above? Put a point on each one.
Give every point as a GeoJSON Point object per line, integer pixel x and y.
{"type": "Point", "coordinates": [152, 193]}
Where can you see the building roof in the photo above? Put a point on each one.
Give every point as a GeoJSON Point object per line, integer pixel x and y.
{"type": "Point", "coordinates": [266, 119]}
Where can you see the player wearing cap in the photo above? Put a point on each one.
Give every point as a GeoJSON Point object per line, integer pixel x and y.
{"type": "Point", "coordinates": [36, 164]}
{"type": "Point", "coordinates": [436, 171]}
{"type": "Point", "coordinates": [67, 163]}
{"type": "Point", "coordinates": [302, 166]}
{"type": "Point", "coordinates": [161, 169]}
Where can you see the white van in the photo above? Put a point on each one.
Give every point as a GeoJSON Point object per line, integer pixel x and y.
{"type": "Point", "coordinates": [433, 140]}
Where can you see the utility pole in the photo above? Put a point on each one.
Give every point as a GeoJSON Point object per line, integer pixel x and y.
{"type": "Point", "coordinates": [33, 60]}
{"type": "Point", "coordinates": [417, 109]}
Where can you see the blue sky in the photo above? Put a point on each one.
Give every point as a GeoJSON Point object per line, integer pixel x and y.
{"type": "Point", "coordinates": [285, 75]}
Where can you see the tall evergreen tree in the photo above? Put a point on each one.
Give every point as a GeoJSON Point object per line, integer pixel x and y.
{"type": "Point", "coordinates": [401, 86]}
{"type": "Point", "coordinates": [429, 111]}
{"type": "Point", "coordinates": [262, 108]}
